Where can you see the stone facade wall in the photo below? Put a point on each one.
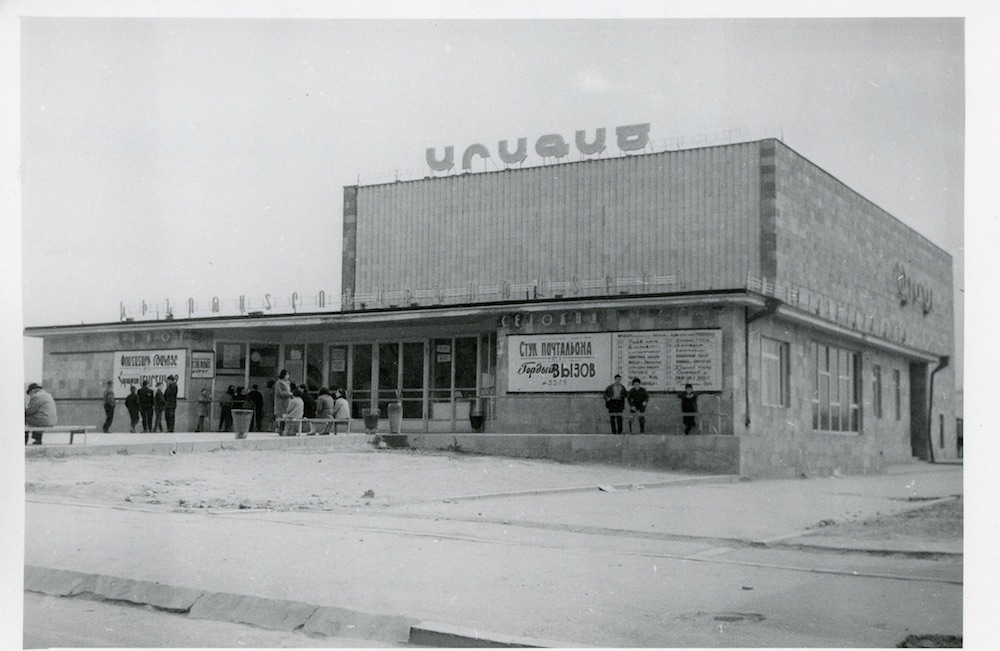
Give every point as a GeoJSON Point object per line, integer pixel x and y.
{"type": "Point", "coordinates": [574, 413]}
{"type": "Point", "coordinates": [781, 442]}
{"type": "Point", "coordinates": [833, 241]}
{"type": "Point", "coordinates": [76, 368]}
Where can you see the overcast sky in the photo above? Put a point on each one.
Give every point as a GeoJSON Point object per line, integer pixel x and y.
{"type": "Point", "coordinates": [168, 158]}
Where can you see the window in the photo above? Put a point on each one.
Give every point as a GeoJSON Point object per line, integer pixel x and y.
{"type": "Point", "coordinates": [897, 385]}
{"type": "Point", "coordinates": [941, 428]}
{"type": "Point", "coordinates": [836, 389]}
{"type": "Point", "coordinates": [774, 373]}
{"type": "Point", "coordinates": [877, 391]}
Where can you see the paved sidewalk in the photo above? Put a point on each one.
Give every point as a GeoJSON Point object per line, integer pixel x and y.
{"type": "Point", "coordinates": [386, 570]}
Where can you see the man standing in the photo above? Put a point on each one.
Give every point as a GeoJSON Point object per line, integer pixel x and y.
{"type": "Point", "coordinates": [40, 412]}
{"type": "Point", "coordinates": [170, 401]}
{"type": "Point", "coordinates": [638, 398]}
{"type": "Point", "coordinates": [257, 400]}
{"type": "Point", "coordinates": [689, 407]}
{"type": "Point", "coordinates": [146, 401]}
{"type": "Point", "coordinates": [132, 404]}
{"type": "Point", "coordinates": [158, 406]}
{"type": "Point", "coordinates": [109, 406]}
{"type": "Point", "coordinates": [204, 410]}
{"type": "Point", "coordinates": [614, 400]}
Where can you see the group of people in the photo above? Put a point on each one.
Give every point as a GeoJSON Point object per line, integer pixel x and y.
{"type": "Point", "coordinates": [616, 396]}
{"type": "Point", "coordinates": [144, 404]}
{"type": "Point", "coordinates": [235, 398]}
{"type": "Point", "coordinates": [293, 402]}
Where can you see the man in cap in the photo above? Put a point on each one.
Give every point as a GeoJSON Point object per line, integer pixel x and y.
{"type": "Point", "coordinates": [170, 401]}
{"type": "Point", "coordinates": [40, 412]}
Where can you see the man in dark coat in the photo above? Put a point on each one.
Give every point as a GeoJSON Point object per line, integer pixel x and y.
{"type": "Point", "coordinates": [689, 407]}
{"type": "Point", "coordinates": [638, 398]}
{"type": "Point", "coordinates": [257, 400]}
{"type": "Point", "coordinates": [146, 402]}
{"type": "Point", "coordinates": [170, 401]}
{"type": "Point", "coordinates": [132, 404]}
{"type": "Point", "coordinates": [614, 400]}
{"type": "Point", "coordinates": [158, 406]}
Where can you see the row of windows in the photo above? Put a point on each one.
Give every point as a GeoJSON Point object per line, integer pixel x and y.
{"type": "Point", "coordinates": [836, 384]}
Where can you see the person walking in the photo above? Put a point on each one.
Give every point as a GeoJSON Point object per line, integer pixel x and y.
{"type": "Point", "coordinates": [132, 404]}
{"type": "Point", "coordinates": [40, 412]}
{"type": "Point", "coordinates": [158, 405]}
{"type": "Point", "coordinates": [170, 402]}
{"type": "Point", "coordinates": [204, 409]}
{"type": "Point", "coordinates": [689, 407]}
{"type": "Point", "coordinates": [282, 394]}
{"type": "Point", "coordinates": [146, 401]}
{"type": "Point", "coordinates": [614, 400]}
{"type": "Point", "coordinates": [109, 406]}
{"type": "Point", "coordinates": [638, 398]}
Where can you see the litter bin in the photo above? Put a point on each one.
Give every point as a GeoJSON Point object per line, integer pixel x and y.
{"type": "Point", "coordinates": [241, 422]}
{"type": "Point", "coordinates": [370, 417]}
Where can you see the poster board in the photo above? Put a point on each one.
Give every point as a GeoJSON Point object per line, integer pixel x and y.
{"type": "Point", "coordinates": [203, 365]}
{"type": "Point", "coordinates": [559, 363]}
{"type": "Point", "coordinates": [666, 360]}
{"type": "Point", "coordinates": [131, 367]}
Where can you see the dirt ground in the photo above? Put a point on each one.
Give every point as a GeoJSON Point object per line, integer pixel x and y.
{"type": "Point", "coordinates": [942, 521]}
{"type": "Point", "coordinates": [303, 480]}
{"type": "Point", "coordinates": [326, 480]}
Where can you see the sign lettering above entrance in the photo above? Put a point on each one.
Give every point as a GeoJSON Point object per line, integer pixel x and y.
{"type": "Point", "coordinates": [632, 137]}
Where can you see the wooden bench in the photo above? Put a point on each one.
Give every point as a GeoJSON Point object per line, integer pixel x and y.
{"type": "Point", "coordinates": [328, 424]}
{"type": "Point", "coordinates": [72, 429]}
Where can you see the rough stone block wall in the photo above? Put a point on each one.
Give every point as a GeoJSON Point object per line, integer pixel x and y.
{"type": "Point", "coordinates": [76, 367]}
{"type": "Point", "coordinates": [833, 241]}
{"type": "Point", "coordinates": [780, 441]}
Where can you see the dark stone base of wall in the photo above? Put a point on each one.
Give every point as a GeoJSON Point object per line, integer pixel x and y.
{"type": "Point", "coordinates": [711, 454]}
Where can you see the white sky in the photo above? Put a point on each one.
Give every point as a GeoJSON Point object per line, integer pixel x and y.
{"type": "Point", "coordinates": [172, 158]}
{"type": "Point", "coordinates": [175, 158]}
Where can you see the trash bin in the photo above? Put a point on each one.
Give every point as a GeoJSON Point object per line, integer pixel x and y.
{"type": "Point", "coordinates": [241, 422]}
{"type": "Point", "coordinates": [370, 417]}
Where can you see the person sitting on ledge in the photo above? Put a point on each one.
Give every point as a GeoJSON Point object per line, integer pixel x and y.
{"type": "Point", "coordinates": [40, 412]}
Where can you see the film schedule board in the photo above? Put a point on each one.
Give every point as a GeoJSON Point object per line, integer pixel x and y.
{"type": "Point", "coordinates": [666, 360]}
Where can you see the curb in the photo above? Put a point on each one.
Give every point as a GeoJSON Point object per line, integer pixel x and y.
{"type": "Point", "coordinates": [272, 614]}
{"type": "Point", "coordinates": [434, 634]}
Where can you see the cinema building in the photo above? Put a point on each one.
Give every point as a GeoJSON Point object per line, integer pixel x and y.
{"type": "Point", "coordinates": [816, 328]}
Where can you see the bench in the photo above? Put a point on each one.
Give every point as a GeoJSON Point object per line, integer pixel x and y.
{"type": "Point", "coordinates": [328, 424]}
{"type": "Point", "coordinates": [72, 429]}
